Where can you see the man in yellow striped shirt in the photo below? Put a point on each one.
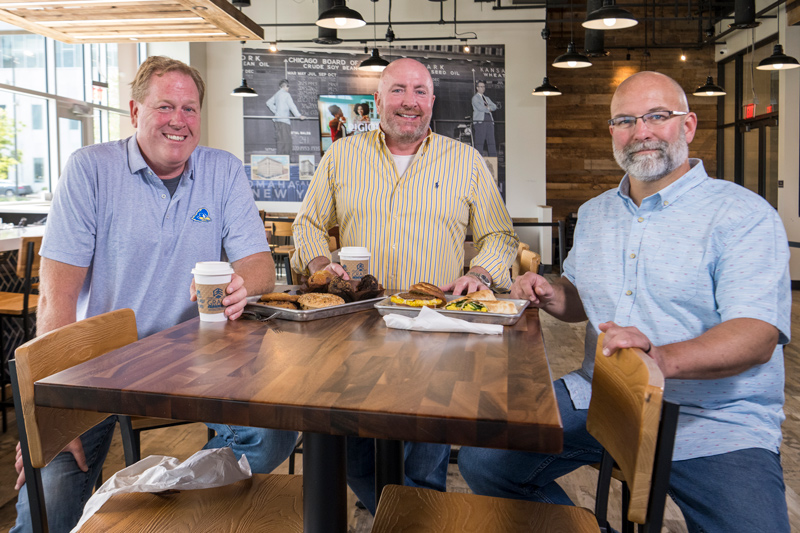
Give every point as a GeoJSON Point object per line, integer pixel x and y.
{"type": "Point", "coordinates": [407, 195]}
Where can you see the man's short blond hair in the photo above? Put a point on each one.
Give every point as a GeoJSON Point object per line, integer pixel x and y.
{"type": "Point", "coordinates": [158, 66]}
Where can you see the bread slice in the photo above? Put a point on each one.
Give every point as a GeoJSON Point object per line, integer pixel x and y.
{"type": "Point", "coordinates": [319, 300]}
{"type": "Point", "coordinates": [482, 296]}
{"type": "Point", "coordinates": [503, 307]}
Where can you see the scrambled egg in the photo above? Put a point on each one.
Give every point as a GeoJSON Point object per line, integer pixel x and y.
{"type": "Point", "coordinates": [432, 302]}
{"type": "Point", "coordinates": [467, 305]}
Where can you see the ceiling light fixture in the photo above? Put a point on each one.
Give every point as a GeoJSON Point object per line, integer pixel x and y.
{"type": "Point", "coordinates": [709, 89]}
{"type": "Point", "coordinates": [778, 60]}
{"type": "Point", "coordinates": [244, 90]}
{"type": "Point", "coordinates": [609, 17]}
{"type": "Point", "coordinates": [340, 17]}
{"type": "Point", "coordinates": [572, 59]}
{"type": "Point", "coordinates": [546, 89]}
{"type": "Point", "coordinates": [374, 63]}
{"type": "Point", "coordinates": [683, 55]}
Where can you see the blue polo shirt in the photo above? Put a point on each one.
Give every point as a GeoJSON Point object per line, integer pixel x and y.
{"type": "Point", "coordinates": [697, 253]}
{"type": "Point", "coordinates": [112, 214]}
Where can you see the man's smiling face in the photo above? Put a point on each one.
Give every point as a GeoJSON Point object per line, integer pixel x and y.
{"type": "Point", "coordinates": [405, 101]}
{"type": "Point", "coordinates": [168, 123]}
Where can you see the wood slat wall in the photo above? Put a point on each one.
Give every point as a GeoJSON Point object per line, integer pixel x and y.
{"type": "Point", "coordinates": [580, 164]}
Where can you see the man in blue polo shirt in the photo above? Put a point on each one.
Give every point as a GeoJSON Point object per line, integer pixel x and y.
{"type": "Point", "coordinates": [129, 220]}
{"type": "Point", "coordinates": [695, 272]}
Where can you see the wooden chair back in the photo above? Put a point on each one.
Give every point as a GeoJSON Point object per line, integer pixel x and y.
{"type": "Point", "coordinates": [624, 416]}
{"type": "Point", "coordinates": [49, 430]}
{"type": "Point", "coordinates": [23, 257]}
{"type": "Point", "coordinates": [529, 262]}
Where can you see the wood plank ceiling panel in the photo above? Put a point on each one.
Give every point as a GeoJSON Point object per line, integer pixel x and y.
{"type": "Point", "coordinates": [93, 21]}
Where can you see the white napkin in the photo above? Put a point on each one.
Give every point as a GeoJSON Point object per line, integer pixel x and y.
{"type": "Point", "coordinates": [205, 469]}
{"type": "Point", "coordinates": [430, 320]}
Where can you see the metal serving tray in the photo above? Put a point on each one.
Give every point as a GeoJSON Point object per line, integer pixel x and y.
{"type": "Point", "coordinates": [385, 306]}
{"type": "Point", "coordinates": [261, 310]}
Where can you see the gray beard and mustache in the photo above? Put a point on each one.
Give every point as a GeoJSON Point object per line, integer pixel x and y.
{"type": "Point", "coordinates": [651, 167]}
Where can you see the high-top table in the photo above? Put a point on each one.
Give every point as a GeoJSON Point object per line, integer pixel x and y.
{"type": "Point", "coordinates": [347, 375]}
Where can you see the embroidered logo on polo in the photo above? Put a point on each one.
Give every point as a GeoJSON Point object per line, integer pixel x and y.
{"type": "Point", "coordinates": [202, 216]}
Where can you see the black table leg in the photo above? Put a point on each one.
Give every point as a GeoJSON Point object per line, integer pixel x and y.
{"type": "Point", "coordinates": [389, 467]}
{"type": "Point", "coordinates": [324, 483]}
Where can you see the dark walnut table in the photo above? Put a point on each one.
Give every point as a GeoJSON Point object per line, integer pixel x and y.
{"type": "Point", "coordinates": [331, 378]}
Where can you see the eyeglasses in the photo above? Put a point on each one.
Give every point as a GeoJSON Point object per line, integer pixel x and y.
{"type": "Point", "coordinates": [653, 120]}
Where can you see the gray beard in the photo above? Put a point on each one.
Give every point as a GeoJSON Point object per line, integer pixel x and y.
{"type": "Point", "coordinates": [652, 167]}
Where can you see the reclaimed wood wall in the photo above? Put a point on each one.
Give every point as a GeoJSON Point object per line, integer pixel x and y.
{"type": "Point", "coordinates": [580, 164]}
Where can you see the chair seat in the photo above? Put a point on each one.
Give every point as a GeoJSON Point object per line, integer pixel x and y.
{"type": "Point", "coordinates": [266, 503]}
{"type": "Point", "coordinates": [406, 509]}
{"type": "Point", "coordinates": [11, 303]}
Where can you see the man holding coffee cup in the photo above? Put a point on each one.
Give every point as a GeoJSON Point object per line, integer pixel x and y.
{"type": "Point", "coordinates": [406, 199]}
{"type": "Point", "coordinates": [129, 221]}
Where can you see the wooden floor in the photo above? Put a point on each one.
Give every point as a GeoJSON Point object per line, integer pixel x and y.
{"type": "Point", "coordinates": [565, 349]}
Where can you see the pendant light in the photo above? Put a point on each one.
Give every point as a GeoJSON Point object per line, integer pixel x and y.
{"type": "Point", "coordinates": [709, 89]}
{"type": "Point", "coordinates": [572, 59]}
{"type": "Point", "coordinates": [546, 89]}
{"type": "Point", "coordinates": [340, 17]}
{"type": "Point", "coordinates": [609, 17]}
{"type": "Point", "coordinates": [778, 60]}
{"type": "Point", "coordinates": [244, 90]}
{"type": "Point", "coordinates": [374, 63]}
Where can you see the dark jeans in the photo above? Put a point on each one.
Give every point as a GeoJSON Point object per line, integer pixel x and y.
{"type": "Point", "coordinates": [283, 138]}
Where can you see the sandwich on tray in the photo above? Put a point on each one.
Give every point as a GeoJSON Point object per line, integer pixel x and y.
{"type": "Point", "coordinates": [420, 295]}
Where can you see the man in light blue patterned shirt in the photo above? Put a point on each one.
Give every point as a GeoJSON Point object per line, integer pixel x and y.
{"type": "Point", "coordinates": [695, 272]}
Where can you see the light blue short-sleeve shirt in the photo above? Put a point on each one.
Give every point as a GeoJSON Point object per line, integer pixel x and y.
{"type": "Point", "coordinates": [699, 252]}
{"type": "Point", "coordinates": [112, 214]}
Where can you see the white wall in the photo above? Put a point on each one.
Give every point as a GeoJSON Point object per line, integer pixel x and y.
{"type": "Point", "coordinates": [525, 61]}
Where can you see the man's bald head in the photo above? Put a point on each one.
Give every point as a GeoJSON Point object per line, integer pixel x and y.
{"type": "Point", "coordinates": [649, 82]}
{"type": "Point", "coordinates": [403, 69]}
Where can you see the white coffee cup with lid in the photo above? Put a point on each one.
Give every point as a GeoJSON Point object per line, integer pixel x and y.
{"type": "Point", "coordinates": [355, 261]}
{"type": "Point", "coordinates": [211, 280]}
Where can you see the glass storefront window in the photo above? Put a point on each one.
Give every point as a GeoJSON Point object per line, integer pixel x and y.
{"type": "Point", "coordinates": [69, 71]}
{"type": "Point", "coordinates": [23, 62]}
{"type": "Point", "coordinates": [23, 148]}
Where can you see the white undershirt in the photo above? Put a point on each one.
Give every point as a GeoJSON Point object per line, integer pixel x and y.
{"type": "Point", "coordinates": [402, 162]}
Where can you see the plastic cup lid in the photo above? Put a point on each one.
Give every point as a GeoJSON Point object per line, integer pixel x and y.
{"type": "Point", "coordinates": [212, 268]}
{"type": "Point", "coordinates": [356, 252]}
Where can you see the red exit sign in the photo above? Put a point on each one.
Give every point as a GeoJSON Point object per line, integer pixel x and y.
{"type": "Point", "coordinates": [749, 110]}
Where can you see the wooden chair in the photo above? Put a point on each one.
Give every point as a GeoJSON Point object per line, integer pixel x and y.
{"type": "Point", "coordinates": [281, 244]}
{"type": "Point", "coordinates": [626, 415]}
{"type": "Point", "coordinates": [264, 503]}
{"type": "Point", "coordinates": [21, 305]}
{"type": "Point", "coordinates": [529, 262]}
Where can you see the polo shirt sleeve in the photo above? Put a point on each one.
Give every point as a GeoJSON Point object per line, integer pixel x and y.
{"type": "Point", "coordinates": [492, 229]}
{"type": "Point", "coordinates": [72, 222]}
{"type": "Point", "coordinates": [752, 273]}
{"type": "Point", "coordinates": [243, 234]}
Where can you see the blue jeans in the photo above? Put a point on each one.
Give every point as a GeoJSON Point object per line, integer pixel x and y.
{"type": "Point", "coordinates": [67, 488]}
{"type": "Point", "coordinates": [736, 491]}
{"type": "Point", "coordinates": [425, 466]}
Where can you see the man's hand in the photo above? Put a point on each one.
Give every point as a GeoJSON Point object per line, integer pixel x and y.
{"type": "Point", "coordinates": [618, 337]}
{"type": "Point", "coordinates": [533, 287]}
{"type": "Point", "coordinates": [235, 301]}
{"type": "Point", "coordinates": [465, 285]}
{"type": "Point", "coordinates": [75, 448]}
{"type": "Point", "coordinates": [323, 263]}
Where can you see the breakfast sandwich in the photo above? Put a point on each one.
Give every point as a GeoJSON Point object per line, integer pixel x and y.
{"type": "Point", "coordinates": [420, 295]}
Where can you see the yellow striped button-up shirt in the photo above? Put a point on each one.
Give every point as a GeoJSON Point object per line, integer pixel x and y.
{"type": "Point", "coordinates": [413, 225]}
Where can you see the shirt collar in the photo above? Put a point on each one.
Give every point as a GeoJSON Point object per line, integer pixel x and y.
{"type": "Point", "coordinates": [668, 195]}
{"type": "Point", "coordinates": [422, 148]}
{"type": "Point", "coordinates": [136, 160]}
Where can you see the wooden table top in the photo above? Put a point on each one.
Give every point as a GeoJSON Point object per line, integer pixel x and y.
{"type": "Point", "coordinates": [348, 375]}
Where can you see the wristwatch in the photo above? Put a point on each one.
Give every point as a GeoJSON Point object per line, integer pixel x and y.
{"type": "Point", "coordinates": [480, 277]}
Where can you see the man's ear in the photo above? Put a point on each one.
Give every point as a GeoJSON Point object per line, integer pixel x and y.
{"type": "Point", "coordinates": [134, 113]}
{"type": "Point", "coordinates": [690, 126]}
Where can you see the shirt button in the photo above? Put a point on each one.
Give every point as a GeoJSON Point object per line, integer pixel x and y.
{"type": "Point", "coordinates": [640, 219]}
{"type": "Point", "coordinates": [628, 293]}
{"type": "Point", "coordinates": [633, 256]}
{"type": "Point", "coordinates": [666, 203]}
{"type": "Point", "coordinates": [163, 196]}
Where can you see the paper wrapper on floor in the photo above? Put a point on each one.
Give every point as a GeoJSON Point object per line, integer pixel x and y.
{"type": "Point", "coordinates": [204, 470]}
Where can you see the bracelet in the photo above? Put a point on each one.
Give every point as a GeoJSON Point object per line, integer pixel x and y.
{"type": "Point", "coordinates": [649, 347]}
